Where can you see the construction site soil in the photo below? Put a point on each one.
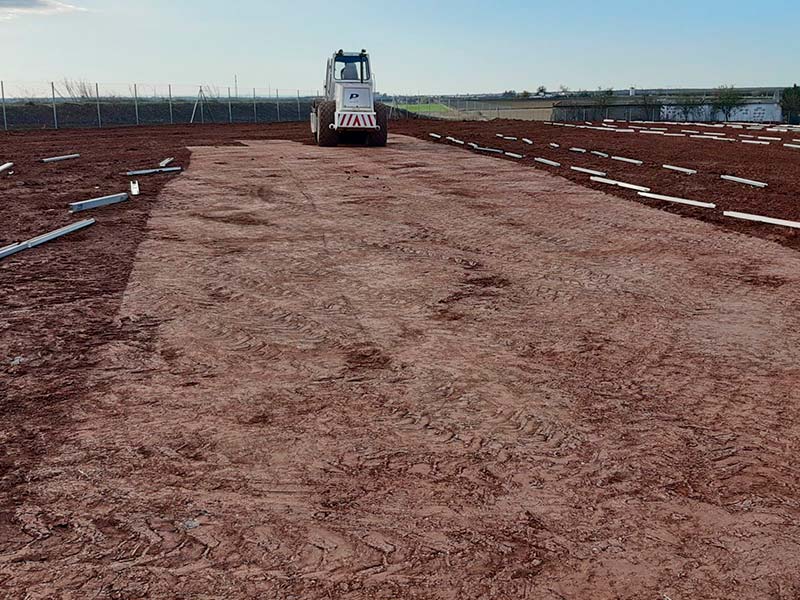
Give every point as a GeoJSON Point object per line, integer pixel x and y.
{"type": "Point", "coordinates": [411, 372]}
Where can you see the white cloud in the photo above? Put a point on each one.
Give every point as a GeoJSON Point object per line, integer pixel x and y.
{"type": "Point", "coordinates": [15, 8]}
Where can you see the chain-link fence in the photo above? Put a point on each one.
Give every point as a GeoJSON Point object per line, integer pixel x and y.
{"type": "Point", "coordinates": [72, 103]}
{"type": "Point", "coordinates": [79, 103]}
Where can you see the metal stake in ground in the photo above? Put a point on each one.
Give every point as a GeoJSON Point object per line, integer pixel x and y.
{"type": "Point", "coordinates": [136, 101]}
{"type": "Point", "coordinates": [230, 107]}
{"type": "Point", "coordinates": [298, 106]}
{"type": "Point", "coordinates": [97, 97]}
{"type": "Point", "coordinates": [55, 112]}
{"type": "Point", "coordinates": [255, 108]}
{"type": "Point", "coordinates": [171, 117]}
{"type": "Point", "coordinates": [3, 98]}
{"type": "Point", "coordinates": [278, 103]}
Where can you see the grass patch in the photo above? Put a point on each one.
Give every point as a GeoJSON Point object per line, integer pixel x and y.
{"type": "Point", "coordinates": [434, 107]}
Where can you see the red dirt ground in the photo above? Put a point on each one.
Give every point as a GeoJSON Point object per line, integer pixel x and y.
{"type": "Point", "coordinates": [58, 302]}
{"type": "Point", "coordinates": [410, 387]}
{"type": "Point", "coordinates": [772, 164]}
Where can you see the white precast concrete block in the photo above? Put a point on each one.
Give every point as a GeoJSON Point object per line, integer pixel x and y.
{"type": "Point", "coordinates": [677, 200]}
{"type": "Point", "coordinates": [760, 219]}
{"type": "Point", "coordinates": [680, 169]}
{"type": "Point", "coordinates": [632, 161]}
{"type": "Point", "coordinates": [588, 171]}
{"type": "Point", "coordinates": [622, 184]}
{"type": "Point", "coordinates": [759, 184]}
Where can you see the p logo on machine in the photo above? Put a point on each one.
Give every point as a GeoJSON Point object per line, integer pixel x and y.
{"type": "Point", "coordinates": [354, 96]}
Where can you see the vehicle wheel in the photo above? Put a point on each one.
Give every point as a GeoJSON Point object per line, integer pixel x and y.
{"type": "Point", "coordinates": [326, 112]}
{"type": "Point", "coordinates": [378, 138]}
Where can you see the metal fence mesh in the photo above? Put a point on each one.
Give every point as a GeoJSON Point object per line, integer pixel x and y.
{"type": "Point", "coordinates": [36, 105]}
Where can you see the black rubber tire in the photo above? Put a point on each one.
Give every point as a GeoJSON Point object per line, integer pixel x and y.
{"type": "Point", "coordinates": [379, 138]}
{"type": "Point", "coordinates": [326, 113]}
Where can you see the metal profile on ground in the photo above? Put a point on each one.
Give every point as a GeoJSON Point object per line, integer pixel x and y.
{"type": "Point", "coordinates": [435, 136]}
{"type": "Point", "coordinates": [632, 161]}
{"type": "Point", "coordinates": [677, 200]}
{"type": "Point", "coordinates": [760, 219]}
{"type": "Point", "coordinates": [10, 249]}
{"type": "Point", "coordinates": [588, 171]}
{"type": "Point", "coordinates": [97, 202]}
{"type": "Point", "coordinates": [554, 145]}
{"type": "Point", "coordinates": [600, 154]}
{"type": "Point", "coordinates": [758, 184]}
{"type": "Point", "coordinates": [622, 184]}
{"type": "Point", "coordinates": [154, 171]}
{"type": "Point", "coordinates": [6, 166]}
{"type": "Point", "coordinates": [795, 146]}
{"type": "Point", "coordinates": [544, 161]}
{"type": "Point", "coordinates": [756, 142]}
{"type": "Point", "coordinates": [53, 159]}
{"type": "Point", "coordinates": [680, 169]}
{"type": "Point", "coordinates": [492, 150]}
{"type": "Point", "coordinates": [581, 150]}
{"type": "Point", "coordinates": [514, 155]}
{"type": "Point", "coordinates": [44, 238]}
{"type": "Point", "coordinates": [527, 141]}
{"type": "Point", "coordinates": [166, 162]}
{"type": "Point", "coordinates": [510, 138]}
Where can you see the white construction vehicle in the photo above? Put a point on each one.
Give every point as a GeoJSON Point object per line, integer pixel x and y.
{"type": "Point", "coordinates": [348, 112]}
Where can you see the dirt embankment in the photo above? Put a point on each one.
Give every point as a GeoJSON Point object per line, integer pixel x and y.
{"type": "Point", "coordinates": [774, 164]}
{"type": "Point", "coordinates": [57, 302]}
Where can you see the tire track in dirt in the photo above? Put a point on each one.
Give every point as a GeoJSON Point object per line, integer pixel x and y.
{"type": "Point", "coordinates": [360, 382]}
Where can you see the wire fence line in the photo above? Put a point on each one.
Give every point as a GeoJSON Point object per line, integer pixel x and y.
{"type": "Point", "coordinates": [68, 103]}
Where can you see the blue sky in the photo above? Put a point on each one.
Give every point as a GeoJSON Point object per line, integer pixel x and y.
{"type": "Point", "coordinates": [432, 46]}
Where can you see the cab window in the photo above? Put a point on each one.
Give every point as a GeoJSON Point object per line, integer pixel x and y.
{"type": "Point", "coordinates": [351, 68]}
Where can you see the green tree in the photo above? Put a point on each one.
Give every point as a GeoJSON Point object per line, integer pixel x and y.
{"type": "Point", "coordinates": [790, 103]}
{"type": "Point", "coordinates": [541, 90]}
{"type": "Point", "coordinates": [526, 94]}
{"type": "Point", "coordinates": [727, 100]}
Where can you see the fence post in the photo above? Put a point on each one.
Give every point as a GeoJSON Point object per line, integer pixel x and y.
{"type": "Point", "coordinates": [230, 108]}
{"type": "Point", "coordinates": [255, 107]}
{"type": "Point", "coordinates": [136, 101]}
{"type": "Point", "coordinates": [97, 96]}
{"type": "Point", "coordinates": [55, 111]}
{"type": "Point", "coordinates": [278, 103]}
{"type": "Point", "coordinates": [202, 107]}
{"type": "Point", "coordinates": [298, 106]}
{"type": "Point", "coordinates": [171, 115]}
{"type": "Point", "coordinates": [3, 96]}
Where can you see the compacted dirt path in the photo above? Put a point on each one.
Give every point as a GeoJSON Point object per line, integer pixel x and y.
{"type": "Point", "coordinates": [408, 373]}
